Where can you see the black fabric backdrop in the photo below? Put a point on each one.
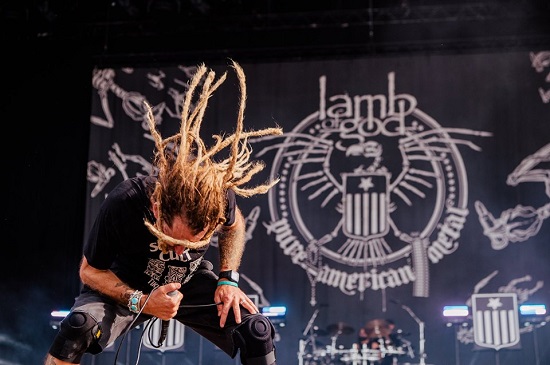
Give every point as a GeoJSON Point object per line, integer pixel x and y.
{"type": "Point", "coordinates": [451, 151]}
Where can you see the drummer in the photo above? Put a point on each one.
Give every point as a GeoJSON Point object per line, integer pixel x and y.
{"type": "Point", "coordinates": [378, 335]}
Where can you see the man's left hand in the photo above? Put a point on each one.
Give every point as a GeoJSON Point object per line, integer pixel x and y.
{"type": "Point", "coordinates": [231, 298]}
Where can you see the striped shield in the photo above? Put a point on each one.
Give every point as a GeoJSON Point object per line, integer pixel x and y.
{"type": "Point", "coordinates": [366, 203]}
{"type": "Point", "coordinates": [495, 320]}
{"type": "Point", "coordinates": [174, 338]}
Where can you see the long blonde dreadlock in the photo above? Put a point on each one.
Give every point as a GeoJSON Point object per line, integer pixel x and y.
{"type": "Point", "coordinates": [190, 183]}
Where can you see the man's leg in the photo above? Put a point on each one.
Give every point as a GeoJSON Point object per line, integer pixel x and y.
{"type": "Point", "coordinates": [254, 338]}
{"type": "Point", "coordinates": [77, 332]}
{"type": "Point", "coordinates": [93, 323]}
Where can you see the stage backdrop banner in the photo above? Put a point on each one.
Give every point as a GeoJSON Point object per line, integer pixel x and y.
{"type": "Point", "coordinates": [406, 184]}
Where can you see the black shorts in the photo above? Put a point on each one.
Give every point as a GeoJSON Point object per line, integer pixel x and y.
{"type": "Point", "coordinates": [115, 319]}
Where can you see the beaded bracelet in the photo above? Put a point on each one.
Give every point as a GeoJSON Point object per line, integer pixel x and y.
{"type": "Point", "coordinates": [220, 283]}
{"type": "Point", "coordinates": [135, 301]}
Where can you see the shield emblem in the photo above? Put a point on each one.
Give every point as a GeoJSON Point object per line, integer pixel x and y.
{"type": "Point", "coordinates": [365, 202]}
{"type": "Point", "coordinates": [174, 338]}
{"type": "Point", "coordinates": [495, 320]}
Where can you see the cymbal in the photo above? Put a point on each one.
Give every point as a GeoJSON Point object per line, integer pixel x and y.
{"type": "Point", "coordinates": [340, 328]}
{"type": "Point", "coordinates": [377, 328]}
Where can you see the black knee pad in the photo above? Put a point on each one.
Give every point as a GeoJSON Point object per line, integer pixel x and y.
{"type": "Point", "coordinates": [254, 337]}
{"type": "Point", "coordinates": [78, 333]}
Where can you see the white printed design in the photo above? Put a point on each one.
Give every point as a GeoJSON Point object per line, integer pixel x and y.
{"type": "Point", "coordinates": [365, 182]}
{"type": "Point", "coordinates": [540, 61]}
{"type": "Point", "coordinates": [495, 320]}
{"type": "Point", "coordinates": [366, 205]}
{"type": "Point", "coordinates": [521, 222]}
{"type": "Point", "coordinates": [521, 287]}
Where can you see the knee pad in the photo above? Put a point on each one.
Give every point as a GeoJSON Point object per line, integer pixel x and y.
{"type": "Point", "coordinates": [254, 337]}
{"type": "Point", "coordinates": [78, 333]}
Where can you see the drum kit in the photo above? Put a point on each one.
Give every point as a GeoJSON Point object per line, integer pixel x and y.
{"type": "Point", "coordinates": [313, 352]}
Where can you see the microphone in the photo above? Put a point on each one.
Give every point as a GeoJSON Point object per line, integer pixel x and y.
{"type": "Point", "coordinates": [165, 324]}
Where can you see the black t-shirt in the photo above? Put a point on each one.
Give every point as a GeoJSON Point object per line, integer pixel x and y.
{"type": "Point", "coordinates": [120, 241]}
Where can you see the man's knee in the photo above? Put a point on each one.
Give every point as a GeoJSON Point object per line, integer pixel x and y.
{"type": "Point", "coordinates": [78, 332]}
{"type": "Point", "coordinates": [254, 337]}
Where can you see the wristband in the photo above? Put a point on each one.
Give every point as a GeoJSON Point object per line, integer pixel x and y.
{"type": "Point", "coordinates": [230, 275]}
{"type": "Point", "coordinates": [220, 283]}
{"type": "Point", "coordinates": [134, 301]}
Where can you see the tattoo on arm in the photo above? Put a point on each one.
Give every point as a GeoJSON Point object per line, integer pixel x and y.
{"type": "Point", "coordinates": [231, 244]}
{"type": "Point", "coordinates": [127, 293]}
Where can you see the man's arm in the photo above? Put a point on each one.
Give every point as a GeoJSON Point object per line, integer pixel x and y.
{"type": "Point", "coordinates": [231, 242]}
{"type": "Point", "coordinates": [106, 282]}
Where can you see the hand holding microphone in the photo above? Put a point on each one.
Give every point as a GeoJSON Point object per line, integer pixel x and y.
{"type": "Point", "coordinates": [165, 323]}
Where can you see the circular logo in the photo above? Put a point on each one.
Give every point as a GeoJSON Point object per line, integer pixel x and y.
{"type": "Point", "coordinates": [371, 200]}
